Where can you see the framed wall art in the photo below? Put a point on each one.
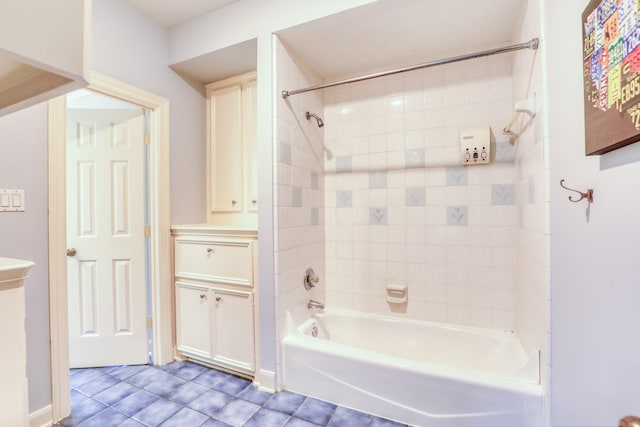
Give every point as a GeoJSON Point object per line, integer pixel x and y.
{"type": "Point", "coordinates": [611, 54]}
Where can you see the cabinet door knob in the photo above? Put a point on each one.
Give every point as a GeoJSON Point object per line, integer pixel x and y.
{"type": "Point", "coordinates": [203, 296]}
{"type": "Point", "coordinates": [233, 202]}
{"type": "Point", "coordinates": [209, 250]}
{"type": "Point", "coordinates": [254, 202]}
{"type": "Point", "coordinates": [218, 298]}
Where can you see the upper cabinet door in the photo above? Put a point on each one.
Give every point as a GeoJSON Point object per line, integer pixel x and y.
{"type": "Point", "coordinates": [232, 196]}
{"type": "Point", "coordinates": [251, 144]}
{"type": "Point", "coordinates": [226, 149]}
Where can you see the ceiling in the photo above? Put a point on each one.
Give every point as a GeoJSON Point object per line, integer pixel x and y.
{"type": "Point", "coordinates": [378, 36]}
{"type": "Point", "coordinates": [381, 36]}
{"type": "Point", "coordinates": [173, 12]}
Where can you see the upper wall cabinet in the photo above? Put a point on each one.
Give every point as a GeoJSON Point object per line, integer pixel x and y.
{"type": "Point", "coordinates": [43, 50]}
{"type": "Point", "coordinates": [231, 185]}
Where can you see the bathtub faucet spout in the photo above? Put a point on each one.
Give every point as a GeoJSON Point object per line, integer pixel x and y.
{"type": "Point", "coordinates": [315, 304]}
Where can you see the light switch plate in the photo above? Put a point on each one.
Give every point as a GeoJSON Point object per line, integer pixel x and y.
{"type": "Point", "coordinates": [11, 200]}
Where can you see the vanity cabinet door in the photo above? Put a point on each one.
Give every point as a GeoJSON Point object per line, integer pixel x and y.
{"type": "Point", "coordinates": [234, 325]}
{"type": "Point", "coordinates": [194, 319]}
{"type": "Point", "coordinates": [226, 149]}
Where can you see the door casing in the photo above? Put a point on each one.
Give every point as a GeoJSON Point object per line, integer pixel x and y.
{"type": "Point", "coordinates": [159, 222]}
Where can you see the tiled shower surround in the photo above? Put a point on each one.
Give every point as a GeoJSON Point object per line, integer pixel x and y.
{"type": "Point", "coordinates": [377, 196]}
{"type": "Point", "coordinates": [400, 210]}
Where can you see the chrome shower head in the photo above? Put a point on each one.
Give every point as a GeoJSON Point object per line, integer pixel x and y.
{"type": "Point", "coordinates": [308, 115]}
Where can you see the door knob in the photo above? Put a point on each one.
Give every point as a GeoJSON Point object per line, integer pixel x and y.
{"type": "Point", "coordinates": [71, 252]}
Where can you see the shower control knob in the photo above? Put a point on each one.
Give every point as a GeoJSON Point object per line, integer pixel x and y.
{"type": "Point", "coordinates": [310, 279]}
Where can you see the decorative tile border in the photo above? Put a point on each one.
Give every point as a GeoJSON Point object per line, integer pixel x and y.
{"type": "Point", "coordinates": [344, 199]}
{"type": "Point", "coordinates": [378, 216]}
{"type": "Point", "coordinates": [377, 180]}
{"type": "Point", "coordinates": [285, 153]}
{"type": "Point", "coordinates": [457, 215]}
{"type": "Point", "coordinates": [296, 197]}
{"type": "Point", "coordinates": [415, 196]}
{"type": "Point", "coordinates": [414, 158]}
{"type": "Point", "coordinates": [343, 164]}
{"type": "Point", "coordinates": [457, 175]}
{"type": "Point", "coordinates": [503, 194]}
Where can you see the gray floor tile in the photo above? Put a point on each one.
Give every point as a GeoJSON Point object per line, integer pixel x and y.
{"type": "Point", "coordinates": [210, 378]}
{"type": "Point", "coordinates": [115, 393]}
{"type": "Point", "coordinates": [187, 393]}
{"type": "Point", "coordinates": [315, 411]}
{"type": "Point", "coordinates": [124, 372]}
{"type": "Point", "coordinates": [216, 423]}
{"type": "Point", "coordinates": [147, 377]}
{"type": "Point", "coordinates": [135, 402]}
{"type": "Point", "coordinates": [82, 408]}
{"type": "Point", "coordinates": [236, 412]}
{"type": "Point", "coordinates": [266, 417]}
{"type": "Point", "coordinates": [83, 376]}
{"type": "Point", "coordinates": [105, 418]}
{"type": "Point", "coordinates": [252, 394]}
{"type": "Point", "coordinates": [285, 401]}
{"type": "Point", "coordinates": [344, 417]}
{"type": "Point", "coordinates": [232, 385]}
{"type": "Point", "coordinates": [165, 386]}
{"type": "Point", "coordinates": [188, 370]}
{"type": "Point", "coordinates": [185, 417]}
{"type": "Point", "coordinates": [97, 384]}
{"type": "Point", "coordinates": [130, 422]}
{"type": "Point", "coordinates": [210, 402]}
{"type": "Point", "coordinates": [381, 422]}
{"type": "Point", "coordinates": [157, 413]}
{"type": "Point", "coordinates": [297, 422]}
{"type": "Point", "coordinates": [185, 403]}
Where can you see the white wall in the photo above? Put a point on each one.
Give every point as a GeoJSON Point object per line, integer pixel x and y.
{"type": "Point", "coordinates": [23, 165]}
{"type": "Point", "coordinates": [237, 23]}
{"type": "Point", "coordinates": [532, 278]}
{"type": "Point", "coordinates": [129, 47]}
{"type": "Point", "coordinates": [401, 210]}
{"type": "Point", "coordinates": [595, 320]}
{"type": "Point", "coordinates": [298, 195]}
{"type": "Point", "coordinates": [245, 20]}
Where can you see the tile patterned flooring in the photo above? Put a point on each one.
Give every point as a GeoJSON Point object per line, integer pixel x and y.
{"type": "Point", "coordinates": [184, 394]}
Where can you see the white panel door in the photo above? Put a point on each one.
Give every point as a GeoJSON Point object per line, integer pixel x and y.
{"type": "Point", "coordinates": [105, 226]}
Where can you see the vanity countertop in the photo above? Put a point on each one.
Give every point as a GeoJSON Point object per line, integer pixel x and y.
{"type": "Point", "coordinates": [12, 269]}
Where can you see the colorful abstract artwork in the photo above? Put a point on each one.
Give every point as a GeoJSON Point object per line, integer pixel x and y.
{"type": "Point", "coordinates": [611, 54]}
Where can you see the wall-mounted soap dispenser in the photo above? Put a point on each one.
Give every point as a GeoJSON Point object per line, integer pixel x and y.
{"type": "Point", "coordinates": [475, 145]}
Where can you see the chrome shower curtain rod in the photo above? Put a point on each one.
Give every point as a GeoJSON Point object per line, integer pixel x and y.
{"type": "Point", "coordinates": [531, 44]}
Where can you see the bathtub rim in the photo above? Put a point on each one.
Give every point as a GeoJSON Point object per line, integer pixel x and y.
{"type": "Point", "coordinates": [295, 336]}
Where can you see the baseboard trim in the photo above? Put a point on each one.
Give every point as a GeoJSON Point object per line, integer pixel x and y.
{"type": "Point", "coordinates": [42, 417]}
{"type": "Point", "coordinates": [266, 380]}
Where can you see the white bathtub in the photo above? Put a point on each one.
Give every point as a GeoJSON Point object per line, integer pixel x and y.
{"type": "Point", "coordinates": [418, 373]}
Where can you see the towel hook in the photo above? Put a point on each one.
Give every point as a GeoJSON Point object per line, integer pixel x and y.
{"type": "Point", "coordinates": [586, 195]}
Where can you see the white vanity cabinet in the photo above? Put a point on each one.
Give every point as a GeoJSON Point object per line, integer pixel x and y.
{"type": "Point", "coordinates": [231, 161]}
{"type": "Point", "coordinates": [14, 405]}
{"type": "Point", "coordinates": [215, 287]}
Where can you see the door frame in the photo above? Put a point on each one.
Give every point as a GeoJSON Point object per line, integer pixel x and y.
{"type": "Point", "coordinates": [163, 346]}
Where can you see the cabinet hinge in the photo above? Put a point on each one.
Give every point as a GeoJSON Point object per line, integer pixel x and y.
{"type": "Point", "coordinates": [147, 230]}
{"type": "Point", "coordinates": [149, 322]}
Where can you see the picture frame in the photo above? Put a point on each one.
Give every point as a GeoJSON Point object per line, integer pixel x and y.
{"type": "Point", "coordinates": [611, 73]}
